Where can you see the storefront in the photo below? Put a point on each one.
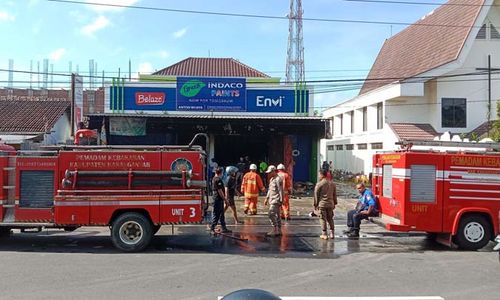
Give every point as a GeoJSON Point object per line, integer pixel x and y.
{"type": "Point", "coordinates": [262, 120]}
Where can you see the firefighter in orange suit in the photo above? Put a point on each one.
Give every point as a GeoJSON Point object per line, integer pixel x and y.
{"type": "Point", "coordinates": [250, 187]}
{"type": "Point", "coordinates": [287, 190]}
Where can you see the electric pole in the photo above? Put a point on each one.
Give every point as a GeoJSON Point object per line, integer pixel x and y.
{"type": "Point", "coordinates": [295, 54]}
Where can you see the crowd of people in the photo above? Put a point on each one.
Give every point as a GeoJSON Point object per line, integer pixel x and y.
{"type": "Point", "coordinates": [249, 180]}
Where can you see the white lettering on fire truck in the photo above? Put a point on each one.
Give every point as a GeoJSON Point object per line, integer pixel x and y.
{"type": "Point", "coordinates": [177, 211]}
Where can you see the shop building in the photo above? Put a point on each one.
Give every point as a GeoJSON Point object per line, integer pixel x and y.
{"type": "Point", "coordinates": [245, 113]}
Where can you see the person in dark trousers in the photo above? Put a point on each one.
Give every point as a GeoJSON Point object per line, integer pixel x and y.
{"type": "Point", "coordinates": [325, 199]}
{"type": "Point", "coordinates": [219, 198]}
{"type": "Point", "coordinates": [231, 192]}
{"type": "Point", "coordinates": [367, 207]}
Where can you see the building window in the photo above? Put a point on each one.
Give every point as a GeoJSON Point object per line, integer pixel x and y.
{"type": "Point", "coordinates": [376, 146]}
{"type": "Point", "coordinates": [352, 121]}
{"type": "Point", "coordinates": [341, 124]}
{"type": "Point", "coordinates": [362, 146]}
{"type": "Point", "coordinates": [494, 35]}
{"type": "Point", "coordinates": [380, 116]}
{"type": "Point", "coordinates": [339, 147]}
{"type": "Point", "coordinates": [365, 118]}
{"type": "Point", "coordinates": [349, 146]}
{"type": "Point", "coordinates": [332, 124]}
{"type": "Point", "coordinates": [453, 113]}
{"type": "Point", "coordinates": [330, 148]}
{"type": "Point", "coordinates": [481, 35]}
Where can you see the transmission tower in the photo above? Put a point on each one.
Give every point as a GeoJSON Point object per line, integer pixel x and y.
{"type": "Point", "coordinates": [295, 54]}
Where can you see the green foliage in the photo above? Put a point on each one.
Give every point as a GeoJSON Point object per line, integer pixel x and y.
{"type": "Point", "coordinates": [495, 132]}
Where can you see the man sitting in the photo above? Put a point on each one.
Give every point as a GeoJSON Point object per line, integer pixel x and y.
{"type": "Point", "coordinates": [366, 207]}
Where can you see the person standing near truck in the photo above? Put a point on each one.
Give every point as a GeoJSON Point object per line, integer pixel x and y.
{"type": "Point", "coordinates": [219, 198]}
{"type": "Point", "coordinates": [325, 199]}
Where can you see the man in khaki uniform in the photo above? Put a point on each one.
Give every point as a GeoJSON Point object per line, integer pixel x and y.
{"type": "Point", "coordinates": [325, 199]}
{"type": "Point", "coordinates": [275, 199]}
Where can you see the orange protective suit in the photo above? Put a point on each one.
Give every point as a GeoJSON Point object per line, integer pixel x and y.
{"type": "Point", "coordinates": [250, 187]}
{"type": "Point", "coordinates": [287, 190]}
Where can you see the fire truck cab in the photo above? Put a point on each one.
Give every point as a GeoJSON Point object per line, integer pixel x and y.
{"type": "Point", "coordinates": [453, 195]}
{"type": "Point", "coordinates": [132, 189]}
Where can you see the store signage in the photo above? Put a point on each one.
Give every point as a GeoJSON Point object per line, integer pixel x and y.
{"type": "Point", "coordinates": [211, 94]}
{"type": "Point", "coordinates": [144, 98]}
{"type": "Point", "coordinates": [149, 98]}
{"type": "Point", "coordinates": [274, 101]}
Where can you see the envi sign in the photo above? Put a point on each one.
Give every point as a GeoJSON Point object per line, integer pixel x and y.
{"type": "Point", "coordinates": [149, 98]}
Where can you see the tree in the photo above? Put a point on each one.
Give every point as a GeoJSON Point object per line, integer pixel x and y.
{"type": "Point", "coordinates": [495, 132]}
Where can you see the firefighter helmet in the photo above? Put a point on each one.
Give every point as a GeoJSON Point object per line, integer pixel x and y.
{"type": "Point", "coordinates": [253, 167]}
{"type": "Point", "coordinates": [231, 170]}
{"type": "Point", "coordinates": [281, 167]}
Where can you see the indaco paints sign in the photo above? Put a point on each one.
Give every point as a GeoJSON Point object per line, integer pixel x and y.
{"type": "Point", "coordinates": [211, 94]}
{"type": "Point", "coordinates": [207, 95]}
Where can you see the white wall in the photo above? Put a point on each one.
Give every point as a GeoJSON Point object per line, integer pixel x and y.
{"type": "Point", "coordinates": [60, 133]}
{"type": "Point", "coordinates": [418, 102]}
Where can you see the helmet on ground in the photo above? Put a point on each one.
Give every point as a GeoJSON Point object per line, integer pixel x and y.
{"type": "Point", "coordinates": [253, 167]}
{"type": "Point", "coordinates": [281, 167]}
{"type": "Point", "coordinates": [231, 170]}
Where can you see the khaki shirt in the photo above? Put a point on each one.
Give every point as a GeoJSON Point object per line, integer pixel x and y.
{"type": "Point", "coordinates": [325, 194]}
{"type": "Point", "coordinates": [275, 191]}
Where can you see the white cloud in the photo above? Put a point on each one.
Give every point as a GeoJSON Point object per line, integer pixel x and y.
{"type": "Point", "coordinates": [122, 4]}
{"type": "Point", "coordinates": [57, 54]}
{"type": "Point", "coordinates": [100, 23]}
{"type": "Point", "coordinates": [5, 16]}
{"type": "Point", "coordinates": [163, 54]}
{"type": "Point", "coordinates": [180, 33]}
{"type": "Point", "coordinates": [145, 68]}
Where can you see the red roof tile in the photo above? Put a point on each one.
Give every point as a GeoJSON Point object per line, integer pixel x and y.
{"type": "Point", "coordinates": [420, 48]}
{"type": "Point", "coordinates": [205, 67]}
{"type": "Point", "coordinates": [23, 116]}
{"type": "Point", "coordinates": [411, 131]}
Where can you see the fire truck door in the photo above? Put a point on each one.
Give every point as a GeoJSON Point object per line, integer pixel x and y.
{"type": "Point", "coordinates": [424, 193]}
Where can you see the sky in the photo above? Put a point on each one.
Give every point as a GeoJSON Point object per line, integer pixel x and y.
{"type": "Point", "coordinates": [74, 33]}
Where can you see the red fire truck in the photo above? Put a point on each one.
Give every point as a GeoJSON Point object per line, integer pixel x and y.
{"type": "Point", "coordinates": [133, 189]}
{"type": "Point", "coordinates": [454, 195]}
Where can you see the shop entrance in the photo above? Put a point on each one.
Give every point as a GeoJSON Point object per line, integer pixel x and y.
{"type": "Point", "coordinates": [229, 148]}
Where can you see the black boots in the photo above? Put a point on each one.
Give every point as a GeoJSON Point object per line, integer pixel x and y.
{"type": "Point", "coordinates": [354, 234]}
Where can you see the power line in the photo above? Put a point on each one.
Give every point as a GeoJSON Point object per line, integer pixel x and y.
{"type": "Point", "coordinates": [398, 104]}
{"type": "Point", "coordinates": [241, 15]}
{"type": "Point", "coordinates": [421, 3]}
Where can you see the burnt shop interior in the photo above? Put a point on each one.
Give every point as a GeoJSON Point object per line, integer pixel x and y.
{"type": "Point", "coordinates": [275, 140]}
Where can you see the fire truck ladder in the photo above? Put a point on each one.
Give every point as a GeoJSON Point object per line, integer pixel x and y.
{"type": "Point", "coordinates": [407, 144]}
{"type": "Point", "coordinates": [10, 202]}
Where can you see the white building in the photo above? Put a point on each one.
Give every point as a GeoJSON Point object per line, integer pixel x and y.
{"type": "Point", "coordinates": [430, 78]}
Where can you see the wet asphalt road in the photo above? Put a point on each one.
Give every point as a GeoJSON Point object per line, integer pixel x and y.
{"type": "Point", "coordinates": [300, 238]}
{"type": "Point", "coordinates": [190, 264]}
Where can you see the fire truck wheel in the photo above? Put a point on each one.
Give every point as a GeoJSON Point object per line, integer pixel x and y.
{"type": "Point", "coordinates": [131, 232]}
{"type": "Point", "coordinates": [474, 232]}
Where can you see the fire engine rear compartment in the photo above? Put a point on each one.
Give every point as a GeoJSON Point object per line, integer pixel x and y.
{"type": "Point", "coordinates": [453, 194]}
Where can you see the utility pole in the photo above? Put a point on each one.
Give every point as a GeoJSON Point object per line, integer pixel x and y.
{"type": "Point", "coordinates": [489, 69]}
{"type": "Point", "coordinates": [295, 72]}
